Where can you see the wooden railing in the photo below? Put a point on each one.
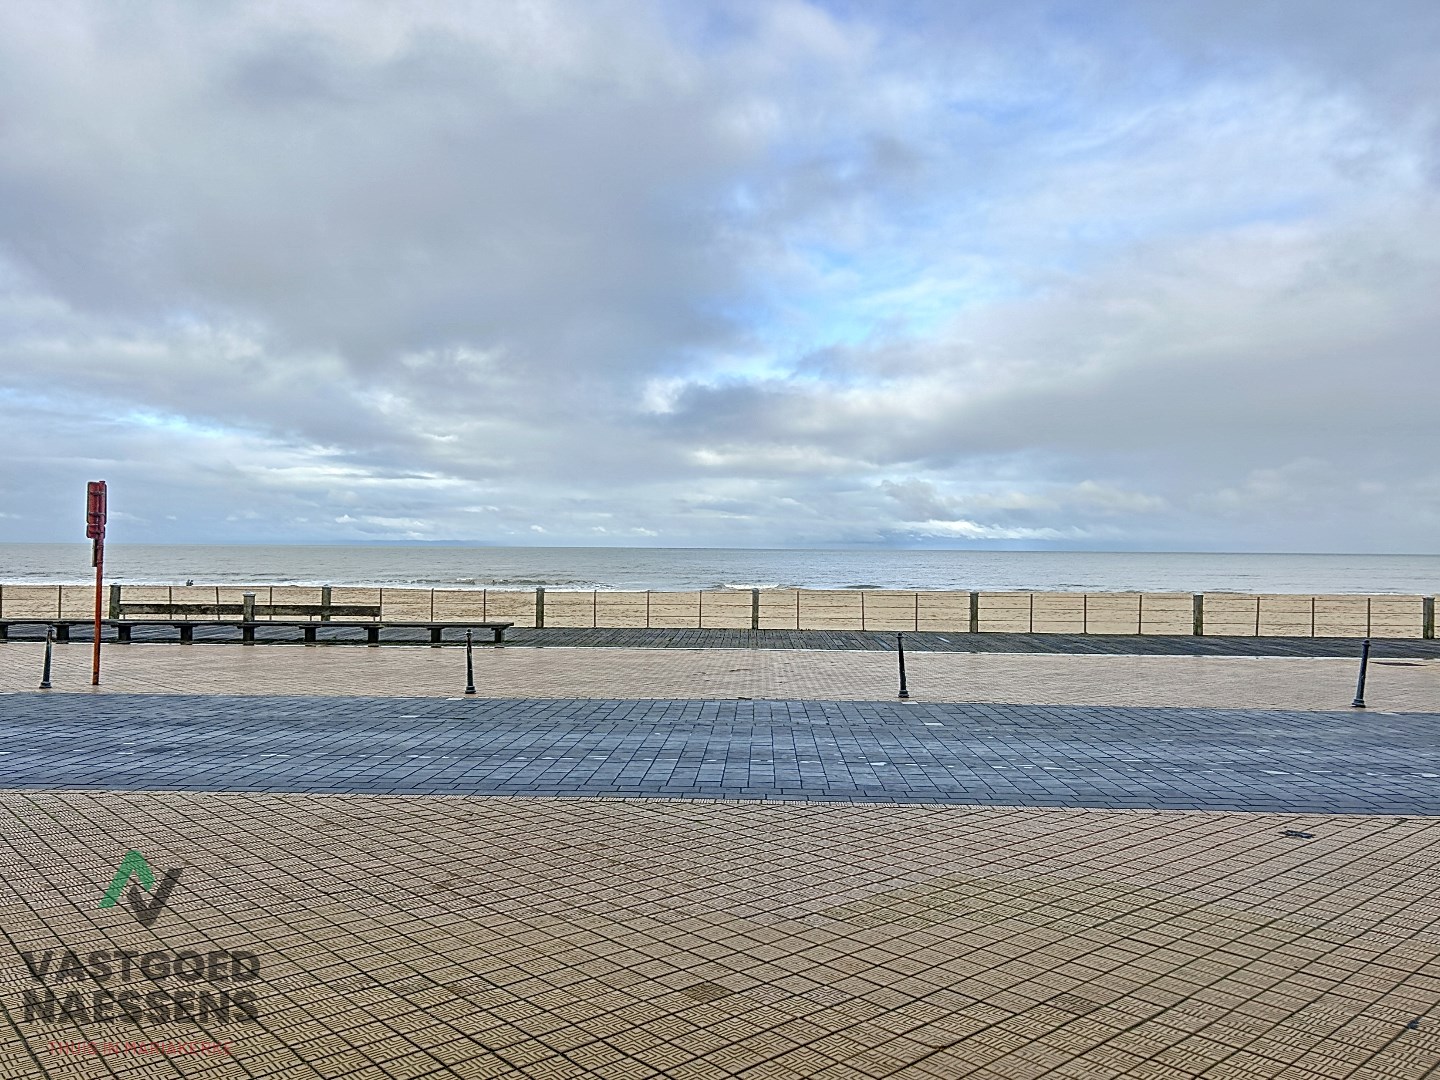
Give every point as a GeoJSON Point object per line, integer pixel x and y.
{"type": "Point", "coordinates": [1214, 614]}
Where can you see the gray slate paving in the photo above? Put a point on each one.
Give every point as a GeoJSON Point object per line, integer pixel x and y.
{"type": "Point", "coordinates": [865, 640]}
{"type": "Point", "coordinates": [1013, 755]}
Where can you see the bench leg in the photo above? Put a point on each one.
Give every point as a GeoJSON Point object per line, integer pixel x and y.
{"type": "Point", "coordinates": [122, 634]}
{"type": "Point", "coordinates": [435, 632]}
{"type": "Point", "coordinates": [247, 634]}
{"type": "Point", "coordinates": [309, 632]}
{"type": "Point", "coordinates": [187, 634]}
{"type": "Point", "coordinates": [499, 634]}
{"type": "Point", "coordinates": [62, 631]}
{"type": "Point", "coordinates": [4, 631]}
{"type": "Point", "coordinates": [372, 635]}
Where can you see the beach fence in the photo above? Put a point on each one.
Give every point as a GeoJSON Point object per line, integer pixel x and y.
{"type": "Point", "coordinates": [953, 612]}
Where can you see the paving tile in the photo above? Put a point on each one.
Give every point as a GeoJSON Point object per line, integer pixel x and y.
{"type": "Point", "coordinates": [357, 979]}
{"type": "Point", "coordinates": [819, 886]}
{"type": "Point", "coordinates": [1216, 680]}
{"type": "Point", "coordinates": [1309, 764]}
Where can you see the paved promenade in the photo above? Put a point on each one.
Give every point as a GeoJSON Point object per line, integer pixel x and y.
{"type": "Point", "coordinates": [807, 640]}
{"type": "Point", "coordinates": [1157, 867]}
{"type": "Point", "coordinates": [654, 940]}
{"type": "Point", "coordinates": [1260, 760]}
{"type": "Point", "coordinates": [784, 674]}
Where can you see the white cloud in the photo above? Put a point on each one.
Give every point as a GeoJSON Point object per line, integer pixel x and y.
{"type": "Point", "coordinates": [728, 273]}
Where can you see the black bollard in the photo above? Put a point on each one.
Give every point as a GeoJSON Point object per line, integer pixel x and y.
{"type": "Point", "coordinates": [1359, 702]}
{"type": "Point", "coordinates": [900, 649]}
{"type": "Point", "coordinates": [49, 645]}
{"type": "Point", "coordinates": [469, 663]}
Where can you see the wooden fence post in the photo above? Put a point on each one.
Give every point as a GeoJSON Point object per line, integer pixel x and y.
{"type": "Point", "coordinates": [1197, 614]}
{"type": "Point", "coordinates": [1427, 617]}
{"type": "Point", "coordinates": [974, 613]}
{"type": "Point", "coordinates": [754, 609]}
{"type": "Point", "coordinates": [539, 606]}
{"type": "Point", "coordinates": [114, 600]}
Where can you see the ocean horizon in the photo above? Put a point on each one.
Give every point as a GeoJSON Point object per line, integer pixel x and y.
{"type": "Point", "coordinates": [684, 569]}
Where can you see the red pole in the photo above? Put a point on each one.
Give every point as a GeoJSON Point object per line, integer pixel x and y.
{"type": "Point", "coordinates": [99, 578]}
{"type": "Point", "coordinates": [95, 514]}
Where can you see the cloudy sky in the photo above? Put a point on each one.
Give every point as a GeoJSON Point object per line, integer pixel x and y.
{"type": "Point", "coordinates": [1152, 274]}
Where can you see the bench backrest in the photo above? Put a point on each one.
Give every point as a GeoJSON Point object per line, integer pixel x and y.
{"type": "Point", "coordinates": [366, 611]}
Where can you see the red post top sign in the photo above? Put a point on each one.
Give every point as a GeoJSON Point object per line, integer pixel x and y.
{"type": "Point", "coordinates": [95, 510]}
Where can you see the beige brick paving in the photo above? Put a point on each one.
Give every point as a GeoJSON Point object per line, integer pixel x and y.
{"type": "Point", "coordinates": [684, 940]}
{"type": "Point", "coordinates": [1216, 682]}
{"type": "Point", "coordinates": [605, 938]}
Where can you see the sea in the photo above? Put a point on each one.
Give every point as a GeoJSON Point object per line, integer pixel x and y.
{"type": "Point", "coordinates": [681, 569]}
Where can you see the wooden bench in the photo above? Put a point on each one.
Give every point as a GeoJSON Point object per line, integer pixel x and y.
{"type": "Point", "coordinates": [62, 626]}
{"type": "Point", "coordinates": [248, 610]}
{"type": "Point", "coordinates": [305, 616]}
{"type": "Point", "coordinates": [185, 617]}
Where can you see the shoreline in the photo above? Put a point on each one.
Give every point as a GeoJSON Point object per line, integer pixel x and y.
{"type": "Point", "coordinates": [736, 589]}
{"type": "Point", "coordinates": [610, 571]}
{"type": "Point", "coordinates": [724, 589]}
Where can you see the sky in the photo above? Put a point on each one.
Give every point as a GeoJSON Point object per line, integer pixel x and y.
{"type": "Point", "coordinates": [1139, 275]}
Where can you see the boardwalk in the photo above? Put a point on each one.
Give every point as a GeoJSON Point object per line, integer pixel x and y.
{"type": "Point", "coordinates": [829, 640]}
